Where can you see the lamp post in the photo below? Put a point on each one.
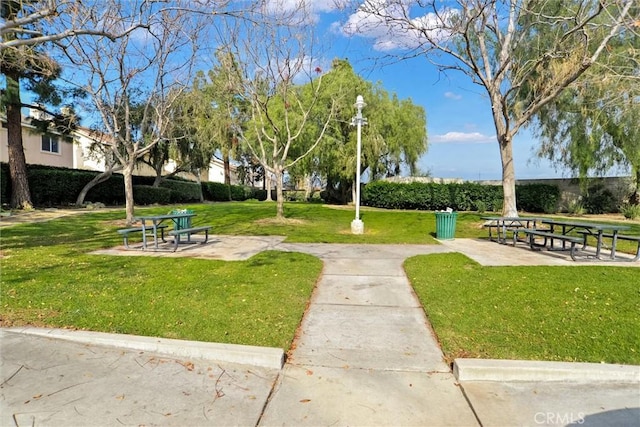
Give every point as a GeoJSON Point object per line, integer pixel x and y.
{"type": "Point", "coordinates": [357, 226]}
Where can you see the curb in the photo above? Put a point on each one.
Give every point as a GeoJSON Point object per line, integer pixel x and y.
{"type": "Point", "coordinates": [524, 370]}
{"type": "Point", "coordinates": [266, 357]}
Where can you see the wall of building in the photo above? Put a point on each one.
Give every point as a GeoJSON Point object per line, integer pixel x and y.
{"type": "Point", "coordinates": [32, 143]}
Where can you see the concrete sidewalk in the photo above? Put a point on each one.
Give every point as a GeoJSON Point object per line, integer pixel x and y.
{"type": "Point", "coordinates": [364, 355]}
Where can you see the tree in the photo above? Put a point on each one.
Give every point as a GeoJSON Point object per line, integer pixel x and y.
{"type": "Point", "coordinates": [505, 47]}
{"type": "Point", "coordinates": [394, 137]}
{"type": "Point", "coordinates": [271, 60]}
{"type": "Point", "coordinates": [134, 81]}
{"type": "Point", "coordinates": [26, 66]}
{"type": "Point", "coordinates": [28, 26]}
{"type": "Point", "coordinates": [37, 22]}
{"type": "Point", "coordinates": [217, 110]}
{"type": "Point", "coordinates": [593, 125]}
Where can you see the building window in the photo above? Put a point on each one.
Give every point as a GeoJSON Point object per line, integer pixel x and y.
{"type": "Point", "coordinates": [50, 144]}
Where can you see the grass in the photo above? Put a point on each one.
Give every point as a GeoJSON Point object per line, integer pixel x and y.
{"type": "Point", "coordinates": [587, 314]}
{"type": "Point", "coordinates": [546, 313]}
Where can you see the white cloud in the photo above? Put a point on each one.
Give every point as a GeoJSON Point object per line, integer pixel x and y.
{"type": "Point", "coordinates": [462, 137]}
{"type": "Point", "coordinates": [306, 10]}
{"type": "Point", "coordinates": [452, 95]}
{"type": "Point", "coordinates": [391, 27]}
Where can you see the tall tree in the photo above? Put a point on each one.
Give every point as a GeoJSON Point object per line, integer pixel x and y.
{"type": "Point", "coordinates": [486, 40]}
{"type": "Point", "coordinates": [394, 137]}
{"type": "Point", "coordinates": [26, 66]}
{"type": "Point", "coordinates": [146, 68]}
{"type": "Point", "coordinates": [593, 125]}
{"type": "Point", "coordinates": [26, 29]}
{"type": "Point", "coordinates": [218, 110]}
{"type": "Point", "coordinates": [37, 22]}
{"type": "Point", "coordinates": [273, 60]}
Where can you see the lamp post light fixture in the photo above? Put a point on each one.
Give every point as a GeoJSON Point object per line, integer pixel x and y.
{"type": "Point", "coordinates": [357, 226]}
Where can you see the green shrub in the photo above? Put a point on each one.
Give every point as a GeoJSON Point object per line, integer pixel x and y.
{"type": "Point", "coordinates": [430, 196]}
{"type": "Point", "coordinates": [575, 208]}
{"type": "Point", "coordinates": [480, 206]}
{"type": "Point", "coordinates": [219, 192]}
{"type": "Point", "coordinates": [182, 191]}
{"type": "Point", "coordinates": [148, 195]}
{"type": "Point", "coordinates": [599, 200]}
{"type": "Point", "coordinates": [630, 211]}
{"type": "Point", "coordinates": [538, 197]}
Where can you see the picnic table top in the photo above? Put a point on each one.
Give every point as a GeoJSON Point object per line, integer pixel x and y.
{"type": "Point", "coordinates": [593, 225]}
{"type": "Point", "coordinates": [510, 218]}
{"type": "Point", "coordinates": [164, 216]}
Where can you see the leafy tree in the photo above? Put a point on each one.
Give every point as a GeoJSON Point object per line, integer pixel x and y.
{"type": "Point", "coordinates": [505, 47]}
{"type": "Point", "coordinates": [395, 134]}
{"type": "Point", "coordinates": [593, 125]}
{"type": "Point", "coordinates": [216, 110]}
{"type": "Point", "coordinates": [271, 60]}
{"type": "Point", "coordinates": [26, 66]}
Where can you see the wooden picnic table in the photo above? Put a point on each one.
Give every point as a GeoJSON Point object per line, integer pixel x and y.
{"type": "Point", "coordinates": [597, 230]}
{"type": "Point", "coordinates": [505, 224]}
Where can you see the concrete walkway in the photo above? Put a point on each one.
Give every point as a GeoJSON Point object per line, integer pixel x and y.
{"type": "Point", "coordinates": [364, 355]}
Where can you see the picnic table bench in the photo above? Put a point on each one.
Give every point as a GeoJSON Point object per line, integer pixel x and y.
{"type": "Point", "coordinates": [628, 238]}
{"type": "Point", "coordinates": [550, 237]}
{"type": "Point", "coordinates": [573, 233]}
{"type": "Point", "coordinates": [189, 231]}
{"type": "Point", "coordinates": [504, 225]}
{"type": "Point", "coordinates": [126, 231]}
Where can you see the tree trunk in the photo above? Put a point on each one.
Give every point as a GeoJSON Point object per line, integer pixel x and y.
{"type": "Point", "coordinates": [227, 168]}
{"type": "Point", "coordinates": [100, 178]}
{"type": "Point", "coordinates": [199, 181]}
{"type": "Point", "coordinates": [509, 207]}
{"type": "Point", "coordinates": [308, 191]}
{"type": "Point", "coordinates": [279, 193]}
{"type": "Point", "coordinates": [267, 181]}
{"type": "Point", "coordinates": [20, 193]}
{"type": "Point", "coordinates": [128, 191]}
{"type": "Point", "coordinates": [634, 199]}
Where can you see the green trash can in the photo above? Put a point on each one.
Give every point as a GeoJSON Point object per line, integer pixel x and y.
{"type": "Point", "coordinates": [446, 225]}
{"type": "Point", "coordinates": [181, 223]}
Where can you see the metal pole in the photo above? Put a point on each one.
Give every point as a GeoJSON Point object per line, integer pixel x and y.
{"type": "Point", "coordinates": [357, 227]}
{"type": "Point", "coordinates": [358, 151]}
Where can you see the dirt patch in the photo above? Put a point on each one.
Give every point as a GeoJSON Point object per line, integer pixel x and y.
{"type": "Point", "coordinates": [37, 215]}
{"type": "Point", "coordinates": [276, 221]}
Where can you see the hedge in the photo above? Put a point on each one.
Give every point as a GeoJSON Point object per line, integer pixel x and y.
{"type": "Point", "coordinates": [55, 186]}
{"type": "Point", "coordinates": [460, 197]}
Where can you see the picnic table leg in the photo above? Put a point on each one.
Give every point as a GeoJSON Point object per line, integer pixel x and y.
{"type": "Point", "coordinates": [144, 236]}
{"type": "Point", "coordinates": [614, 241]}
{"type": "Point", "coordinates": [155, 234]}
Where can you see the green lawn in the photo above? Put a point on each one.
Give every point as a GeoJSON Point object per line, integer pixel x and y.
{"type": "Point", "coordinates": [48, 278]}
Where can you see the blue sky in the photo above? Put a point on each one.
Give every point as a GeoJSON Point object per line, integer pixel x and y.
{"type": "Point", "coordinates": [460, 129]}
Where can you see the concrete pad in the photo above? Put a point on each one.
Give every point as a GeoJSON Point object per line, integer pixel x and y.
{"type": "Point", "coordinates": [267, 357]}
{"type": "Point", "coordinates": [339, 251]}
{"type": "Point", "coordinates": [365, 267]}
{"type": "Point", "coordinates": [394, 291]}
{"type": "Point", "coordinates": [553, 403]}
{"type": "Point", "coordinates": [320, 396]}
{"type": "Point", "coordinates": [531, 370]}
{"type": "Point", "coordinates": [61, 383]}
{"type": "Point", "coordinates": [367, 337]}
{"type": "Point", "coordinates": [226, 248]}
{"type": "Point", "coordinates": [489, 253]}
